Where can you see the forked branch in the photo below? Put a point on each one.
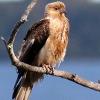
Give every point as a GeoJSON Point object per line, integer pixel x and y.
{"type": "Point", "coordinates": [15, 61]}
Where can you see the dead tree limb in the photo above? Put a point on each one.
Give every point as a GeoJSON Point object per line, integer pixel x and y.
{"type": "Point", "coordinates": [15, 61]}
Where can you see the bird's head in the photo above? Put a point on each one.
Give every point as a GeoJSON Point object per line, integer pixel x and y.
{"type": "Point", "coordinates": [55, 9]}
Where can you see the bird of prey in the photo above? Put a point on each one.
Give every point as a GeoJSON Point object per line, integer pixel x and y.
{"type": "Point", "coordinates": [44, 44]}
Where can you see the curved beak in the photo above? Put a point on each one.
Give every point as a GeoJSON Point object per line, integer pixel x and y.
{"type": "Point", "coordinates": [62, 11]}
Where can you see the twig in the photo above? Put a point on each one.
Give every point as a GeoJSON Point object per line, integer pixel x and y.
{"type": "Point", "coordinates": [15, 61]}
{"type": "Point", "coordinates": [22, 21]}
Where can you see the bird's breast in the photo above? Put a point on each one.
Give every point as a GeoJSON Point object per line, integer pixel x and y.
{"type": "Point", "coordinates": [55, 47]}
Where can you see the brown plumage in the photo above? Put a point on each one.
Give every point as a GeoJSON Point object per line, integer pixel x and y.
{"type": "Point", "coordinates": [44, 44]}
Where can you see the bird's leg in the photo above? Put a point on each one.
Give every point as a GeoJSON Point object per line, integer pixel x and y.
{"type": "Point", "coordinates": [48, 68]}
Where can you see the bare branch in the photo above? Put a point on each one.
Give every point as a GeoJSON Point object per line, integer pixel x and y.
{"type": "Point", "coordinates": [66, 75]}
{"type": "Point", "coordinates": [22, 20]}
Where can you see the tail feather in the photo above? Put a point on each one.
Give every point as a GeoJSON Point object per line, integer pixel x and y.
{"type": "Point", "coordinates": [24, 87]}
{"type": "Point", "coordinates": [16, 88]}
{"type": "Point", "coordinates": [23, 93]}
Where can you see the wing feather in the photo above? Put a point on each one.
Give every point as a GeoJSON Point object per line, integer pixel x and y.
{"type": "Point", "coordinates": [32, 44]}
{"type": "Point", "coordinates": [34, 41]}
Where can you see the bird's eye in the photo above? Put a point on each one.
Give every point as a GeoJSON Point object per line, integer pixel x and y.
{"type": "Point", "coordinates": [56, 8]}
